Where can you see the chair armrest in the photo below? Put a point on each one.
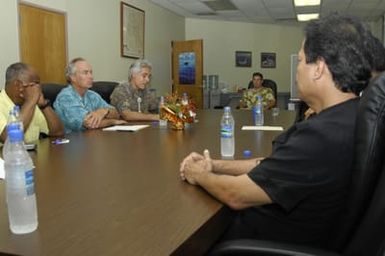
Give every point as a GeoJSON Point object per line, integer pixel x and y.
{"type": "Point", "coordinates": [246, 247]}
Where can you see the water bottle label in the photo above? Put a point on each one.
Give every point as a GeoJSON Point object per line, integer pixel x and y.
{"type": "Point", "coordinates": [29, 183]}
{"type": "Point", "coordinates": [227, 131]}
{"type": "Point", "coordinates": [257, 110]}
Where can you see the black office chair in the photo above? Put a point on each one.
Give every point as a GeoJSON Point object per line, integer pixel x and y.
{"type": "Point", "coordinates": [104, 89]}
{"type": "Point", "coordinates": [51, 90]}
{"type": "Point", "coordinates": [361, 230]}
{"type": "Point", "coordinates": [272, 85]}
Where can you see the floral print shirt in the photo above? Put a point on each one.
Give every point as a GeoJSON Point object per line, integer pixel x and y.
{"type": "Point", "coordinates": [249, 98]}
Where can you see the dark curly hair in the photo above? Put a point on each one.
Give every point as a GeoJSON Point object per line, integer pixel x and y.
{"type": "Point", "coordinates": [343, 42]}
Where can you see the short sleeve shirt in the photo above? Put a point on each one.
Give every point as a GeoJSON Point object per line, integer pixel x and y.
{"type": "Point", "coordinates": [307, 177]}
{"type": "Point", "coordinates": [249, 98]}
{"type": "Point", "coordinates": [37, 125]}
{"type": "Point", "coordinates": [72, 108]}
{"type": "Point", "coordinates": [125, 97]}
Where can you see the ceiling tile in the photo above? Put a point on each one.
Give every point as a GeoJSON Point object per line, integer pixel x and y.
{"type": "Point", "coordinates": [273, 11]}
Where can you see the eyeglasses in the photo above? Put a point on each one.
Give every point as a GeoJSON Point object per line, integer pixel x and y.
{"type": "Point", "coordinates": [30, 83]}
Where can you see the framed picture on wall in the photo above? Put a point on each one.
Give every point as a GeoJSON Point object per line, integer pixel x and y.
{"type": "Point", "coordinates": [131, 31]}
{"type": "Point", "coordinates": [242, 59]}
{"type": "Point", "coordinates": [268, 60]}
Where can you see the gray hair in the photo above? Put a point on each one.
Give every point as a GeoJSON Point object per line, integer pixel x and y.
{"type": "Point", "coordinates": [137, 66]}
{"type": "Point", "coordinates": [71, 68]}
{"type": "Point", "coordinates": [15, 71]}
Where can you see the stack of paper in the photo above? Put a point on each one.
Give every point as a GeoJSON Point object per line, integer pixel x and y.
{"type": "Point", "coordinates": [126, 128]}
{"type": "Point", "coordinates": [262, 128]}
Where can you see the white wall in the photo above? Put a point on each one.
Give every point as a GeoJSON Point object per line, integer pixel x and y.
{"type": "Point", "coordinates": [222, 39]}
{"type": "Point", "coordinates": [9, 50]}
{"type": "Point", "coordinates": [94, 33]}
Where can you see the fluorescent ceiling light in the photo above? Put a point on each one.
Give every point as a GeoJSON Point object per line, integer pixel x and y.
{"type": "Point", "coordinates": [306, 2]}
{"type": "Point", "coordinates": [308, 16]}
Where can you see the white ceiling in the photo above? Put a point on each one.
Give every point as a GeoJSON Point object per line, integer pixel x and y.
{"type": "Point", "coordinates": [269, 11]}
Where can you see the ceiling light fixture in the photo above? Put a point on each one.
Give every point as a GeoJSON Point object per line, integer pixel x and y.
{"type": "Point", "coordinates": [307, 16]}
{"type": "Point", "coordinates": [307, 2]}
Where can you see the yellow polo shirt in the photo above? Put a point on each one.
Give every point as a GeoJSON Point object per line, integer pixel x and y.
{"type": "Point", "coordinates": [38, 123]}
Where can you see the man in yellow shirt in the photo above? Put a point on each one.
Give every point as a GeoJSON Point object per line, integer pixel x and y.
{"type": "Point", "coordinates": [22, 87]}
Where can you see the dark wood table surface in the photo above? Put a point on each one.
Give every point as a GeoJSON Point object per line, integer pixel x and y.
{"type": "Point", "coordinates": [119, 193]}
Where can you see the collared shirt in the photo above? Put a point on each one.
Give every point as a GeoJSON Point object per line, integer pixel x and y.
{"type": "Point", "coordinates": [125, 97]}
{"type": "Point", "coordinates": [37, 125]}
{"type": "Point", "coordinates": [249, 97]}
{"type": "Point", "coordinates": [72, 108]}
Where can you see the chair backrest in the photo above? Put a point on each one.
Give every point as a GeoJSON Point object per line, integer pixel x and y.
{"type": "Point", "coordinates": [251, 85]}
{"type": "Point", "coordinates": [362, 227]}
{"type": "Point", "coordinates": [50, 91]}
{"type": "Point", "coordinates": [272, 85]}
{"type": "Point", "coordinates": [104, 89]}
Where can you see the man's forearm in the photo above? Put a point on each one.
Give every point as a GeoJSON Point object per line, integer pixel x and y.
{"type": "Point", "coordinates": [55, 126]}
{"type": "Point", "coordinates": [113, 114]}
{"type": "Point", "coordinates": [27, 111]}
{"type": "Point", "coordinates": [136, 116]}
{"type": "Point", "coordinates": [234, 167]}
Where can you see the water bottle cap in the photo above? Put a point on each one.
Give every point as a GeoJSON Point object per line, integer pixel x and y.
{"type": "Point", "coordinates": [246, 153]}
{"type": "Point", "coordinates": [15, 135]}
{"type": "Point", "coordinates": [227, 108]}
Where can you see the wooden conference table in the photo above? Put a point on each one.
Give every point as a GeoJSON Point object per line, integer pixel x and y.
{"type": "Point", "coordinates": [119, 193]}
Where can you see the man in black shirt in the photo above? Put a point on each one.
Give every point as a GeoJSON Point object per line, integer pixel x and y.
{"type": "Point", "coordinates": [297, 193]}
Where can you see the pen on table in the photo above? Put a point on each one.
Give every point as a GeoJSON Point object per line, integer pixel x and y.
{"type": "Point", "coordinates": [60, 141]}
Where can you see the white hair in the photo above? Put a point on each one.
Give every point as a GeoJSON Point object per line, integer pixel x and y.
{"type": "Point", "coordinates": [137, 66]}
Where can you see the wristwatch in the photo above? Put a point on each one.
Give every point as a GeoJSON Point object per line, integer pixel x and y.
{"type": "Point", "coordinates": [46, 104]}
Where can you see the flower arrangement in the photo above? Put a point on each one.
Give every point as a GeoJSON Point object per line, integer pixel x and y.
{"type": "Point", "coordinates": [178, 110]}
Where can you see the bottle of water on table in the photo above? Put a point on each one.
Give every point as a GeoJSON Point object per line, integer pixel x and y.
{"type": "Point", "coordinates": [258, 112]}
{"type": "Point", "coordinates": [19, 183]}
{"type": "Point", "coordinates": [227, 133]}
{"type": "Point", "coordinates": [13, 122]}
{"type": "Point", "coordinates": [162, 121]}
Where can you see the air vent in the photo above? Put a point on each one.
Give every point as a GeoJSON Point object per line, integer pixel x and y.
{"type": "Point", "coordinates": [220, 5]}
{"type": "Point", "coordinates": [206, 14]}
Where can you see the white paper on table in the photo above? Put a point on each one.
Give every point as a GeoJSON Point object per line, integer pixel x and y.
{"type": "Point", "coordinates": [2, 173]}
{"type": "Point", "coordinates": [126, 128]}
{"type": "Point", "coordinates": [262, 128]}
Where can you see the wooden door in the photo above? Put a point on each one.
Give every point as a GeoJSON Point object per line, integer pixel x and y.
{"type": "Point", "coordinates": [187, 69]}
{"type": "Point", "coordinates": [43, 42]}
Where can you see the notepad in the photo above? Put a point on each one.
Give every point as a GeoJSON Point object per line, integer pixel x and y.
{"type": "Point", "coordinates": [126, 128]}
{"type": "Point", "coordinates": [262, 128]}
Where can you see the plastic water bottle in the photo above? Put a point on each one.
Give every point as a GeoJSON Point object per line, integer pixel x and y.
{"type": "Point", "coordinates": [19, 183]}
{"type": "Point", "coordinates": [13, 122]}
{"type": "Point", "coordinates": [162, 122]}
{"type": "Point", "coordinates": [258, 112]}
{"type": "Point", "coordinates": [227, 133]}
{"type": "Point", "coordinates": [184, 100]}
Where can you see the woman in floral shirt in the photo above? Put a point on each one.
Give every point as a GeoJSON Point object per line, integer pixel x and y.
{"type": "Point", "coordinates": [249, 98]}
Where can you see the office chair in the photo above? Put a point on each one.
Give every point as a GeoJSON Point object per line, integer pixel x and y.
{"type": "Point", "coordinates": [51, 90]}
{"type": "Point", "coordinates": [272, 85]}
{"type": "Point", "coordinates": [104, 89]}
{"type": "Point", "coordinates": [361, 230]}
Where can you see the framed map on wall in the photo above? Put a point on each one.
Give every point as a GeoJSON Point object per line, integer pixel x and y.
{"type": "Point", "coordinates": [131, 31]}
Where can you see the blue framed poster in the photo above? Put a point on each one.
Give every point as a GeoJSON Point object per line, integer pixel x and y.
{"type": "Point", "coordinates": [187, 68]}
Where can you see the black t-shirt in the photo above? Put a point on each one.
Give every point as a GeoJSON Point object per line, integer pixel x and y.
{"type": "Point", "coordinates": [307, 177]}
